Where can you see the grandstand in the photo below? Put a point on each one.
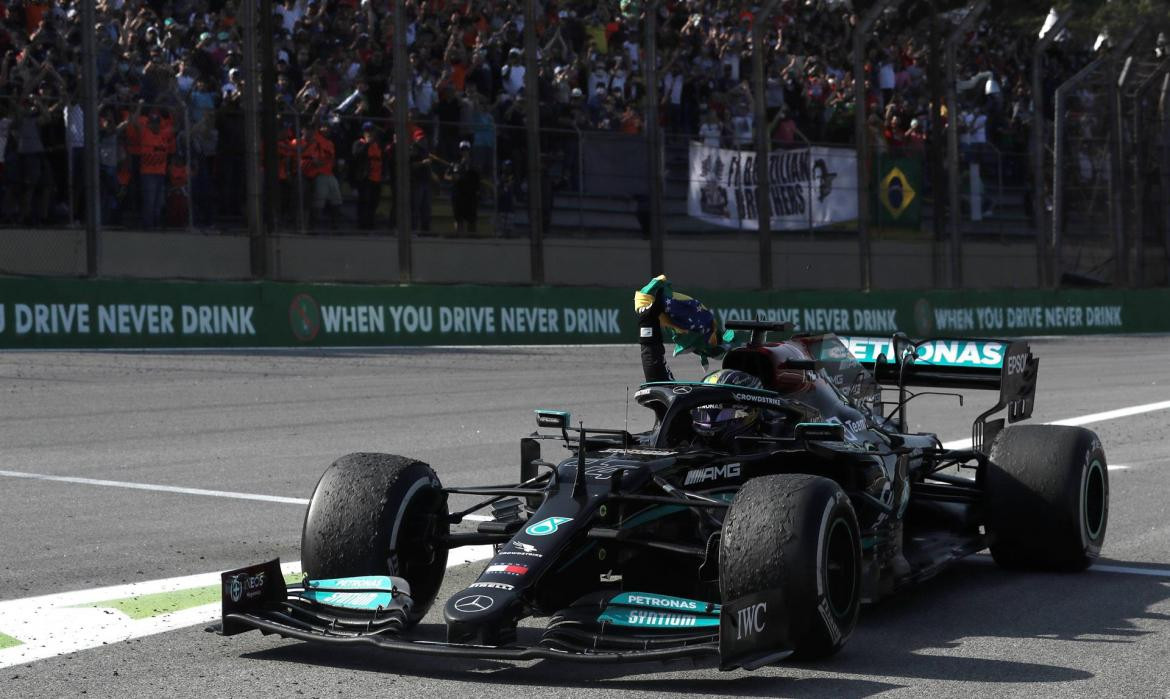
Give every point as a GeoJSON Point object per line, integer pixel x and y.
{"type": "Point", "coordinates": [174, 143]}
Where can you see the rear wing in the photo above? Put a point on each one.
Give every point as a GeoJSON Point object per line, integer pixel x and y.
{"type": "Point", "coordinates": [1006, 366]}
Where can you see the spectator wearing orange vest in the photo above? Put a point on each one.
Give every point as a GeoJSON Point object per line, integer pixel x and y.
{"type": "Point", "coordinates": [319, 156]}
{"type": "Point", "coordinates": [367, 160]}
{"type": "Point", "coordinates": [155, 143]}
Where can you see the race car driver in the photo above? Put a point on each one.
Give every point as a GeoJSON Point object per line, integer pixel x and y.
{"type": "Point", "coordinates": [715, 425]}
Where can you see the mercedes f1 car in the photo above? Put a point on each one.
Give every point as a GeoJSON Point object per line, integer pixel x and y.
{"type": "Point", "coordinates": [662, 545]}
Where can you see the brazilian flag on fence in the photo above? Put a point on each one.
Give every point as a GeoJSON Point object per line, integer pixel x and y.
{"type": "Point", "coordinates": [898, 190]}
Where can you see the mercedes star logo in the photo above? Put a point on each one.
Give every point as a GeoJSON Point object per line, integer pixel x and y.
{"type": "Point", "coordinates": [473, 603]}
{"type": "Point", "coordinates": [682, 390]}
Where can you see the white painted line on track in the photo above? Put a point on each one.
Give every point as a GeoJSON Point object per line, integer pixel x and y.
{"type": "Point", "coordinates": [52, 625]}
{"type": "Point", "coordinates": [956, 444]}
{"type": "Point", "coordinates": [1084, 420]}
{"type": "Point", "coordinates": [175, 489]}
{"type": "Point", "coordinates": [986, 559]}
{"type": "Point", "coordinates": [1130, 570]}
{"type": "Point", "coordinates": [159, 488]}
{"type": "Point", "coordinates": [1113, 414]}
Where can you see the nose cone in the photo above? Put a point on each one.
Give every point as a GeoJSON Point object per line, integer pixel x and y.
{"type": "Point", "coordinates": [482, 615]}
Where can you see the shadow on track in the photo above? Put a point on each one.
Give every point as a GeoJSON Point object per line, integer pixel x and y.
{"type": "Point", "coordinates": [931, 632]}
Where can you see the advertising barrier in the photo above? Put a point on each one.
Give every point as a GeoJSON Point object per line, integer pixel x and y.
{"type": "Point", "coordinates": [43, 313]}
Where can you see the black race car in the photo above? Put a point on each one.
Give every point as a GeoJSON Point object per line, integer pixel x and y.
{"type": "Point", "coordinates": [663, 545]}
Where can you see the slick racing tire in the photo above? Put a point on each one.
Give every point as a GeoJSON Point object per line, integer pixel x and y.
{"type": "Point", "coordinates": [796, 533]}
{"type": "Point", "coordinates": [378, 514]}
{"type": "Point", "coordinates": [1046, 492]}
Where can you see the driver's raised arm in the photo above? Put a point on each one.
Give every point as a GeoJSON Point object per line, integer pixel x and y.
{"type": "Point", "coordinates": [649, 308]}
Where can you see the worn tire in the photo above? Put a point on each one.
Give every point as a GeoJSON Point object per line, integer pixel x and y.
{"type": "Point", "coordinates": [370, 515]}
{"type": "Point", "coordinates": [1047, 497]}
{"type": "Point", "coordinates": [799, 534]}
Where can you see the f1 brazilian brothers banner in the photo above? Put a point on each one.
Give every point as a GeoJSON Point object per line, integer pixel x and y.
{"type": "Point", "coordinates": [809, 187]}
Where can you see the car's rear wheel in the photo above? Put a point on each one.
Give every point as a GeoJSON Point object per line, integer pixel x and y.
{"type": "Point", "coordinates": [378, 514]}
{"type": "Point", "coordinates": [798, 534]}
{"type": "Point", "coordinates": [1047, 497]}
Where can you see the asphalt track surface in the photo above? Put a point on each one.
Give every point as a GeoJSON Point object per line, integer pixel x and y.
{"type": "Point", "coordinates": [270, 422]}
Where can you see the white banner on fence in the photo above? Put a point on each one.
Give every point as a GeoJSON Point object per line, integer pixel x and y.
{"type": "Point", "coordinates": [813, 187]}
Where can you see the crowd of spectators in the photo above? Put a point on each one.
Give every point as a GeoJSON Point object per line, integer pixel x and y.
{"type": "Point", "coordinates": [172, 129]}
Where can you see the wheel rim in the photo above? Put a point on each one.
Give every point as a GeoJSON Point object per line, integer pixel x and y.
{"type": "Point", "coordinates": [841, 568]}
{"type": "Point", "coordinates": [1095, 500]}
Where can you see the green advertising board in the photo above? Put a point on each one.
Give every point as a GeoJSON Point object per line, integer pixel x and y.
{"type": "Point", "coordinates": [43, 313]}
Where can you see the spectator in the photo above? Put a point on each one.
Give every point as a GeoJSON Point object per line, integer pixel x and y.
{"type": "Point", "coordinates": [156, 143]}
{"type": "Point", "coordinates": [367, 171]}
{"type": "Point", "coordinates": [512, 74]}
{"type": "Point", "coordinates": [711, 132]}
{"type": "Point", "coordinates": [75, 141]}
{"type": "Point", "coordinates": [465, 185]}
{"type": "Point", "coordinates": [31, 171]}
{"type": "Point", "coordinates": [319, 157]}
{"type": "Point", "coordinates": [111, 155]}
{"type": "Point", "coordinates": [421, 176]}
{"type": "Point", "coordinates": [204, 146]}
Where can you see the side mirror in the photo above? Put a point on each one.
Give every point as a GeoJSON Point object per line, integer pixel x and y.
{"type": "Point", "coordinates": [820, 431]}
{"type": "Point", "coordinates": [558, 419]}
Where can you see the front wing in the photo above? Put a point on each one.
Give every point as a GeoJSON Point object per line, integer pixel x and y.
{"type": "Point", "coordinates": [256, 598]}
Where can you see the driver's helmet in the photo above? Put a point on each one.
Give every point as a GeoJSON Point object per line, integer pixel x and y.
{"type": "Point", "coordinates": [724, 423]}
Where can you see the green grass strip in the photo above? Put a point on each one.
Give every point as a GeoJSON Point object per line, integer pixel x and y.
{"type": "Point", "coordinates": [8, 642]}
{"type": "Point", "coordinates": [159, 603]}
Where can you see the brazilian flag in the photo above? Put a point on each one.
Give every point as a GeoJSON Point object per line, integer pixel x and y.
{"type": "Point", "coordinates": [898, 187]}
{"type": "Point", "coordinates": [685, 321]}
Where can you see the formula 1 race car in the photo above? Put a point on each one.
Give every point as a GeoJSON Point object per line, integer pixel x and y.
{"type": "Point", "coordinates": [663, 545]}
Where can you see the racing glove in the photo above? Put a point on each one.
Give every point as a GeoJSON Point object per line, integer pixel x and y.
{"type": "Point", "coordinates": [649, 303]}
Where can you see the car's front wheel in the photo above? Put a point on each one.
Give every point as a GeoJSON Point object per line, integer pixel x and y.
{"type": "Point", "coordinates": [378, 514]}
{"type": "Point", "coordinates": [798, 534]}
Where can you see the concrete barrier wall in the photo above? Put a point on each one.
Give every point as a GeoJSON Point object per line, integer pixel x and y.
{"type": "Point", "coordinates": [173, 255]}
{"type": "Point", "coordinates": [53, 252]}
{"type": "Point", "coordinates": [725, 262]}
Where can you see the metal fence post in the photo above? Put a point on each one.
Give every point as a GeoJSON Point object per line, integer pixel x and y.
{"type": "Point", "coordinates": [954, 115]}
{"type": "Point", "coordinates": [863, 148]}
{"type": "Point", "coordinates": [1117, 173]}
{"type": "Point", "coordinates": [189, 186]}
{"type": "Point", "coordinates": [653, 142]}
{"type": "Point", "coordinates": [763, 145]}
{"type": "Point", "coordinates": [860, 33]}
{"type": "Point", "coordinates": [93, 188]}
{"type": "Point", "coordinates": [268, 129]}
{"type": "Point", "coordinates": [1039, 210]}
{"type": "Point", "coordinates": [252, 142]}
{"type": "Point", "coordinates": [300, 173]}
{"type": "Point", "coordinates": [402, 146]}
{"type": "Point", "coordinates": [535, 171]}
{"type": "Point", "coordinates": [1164, 133]}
